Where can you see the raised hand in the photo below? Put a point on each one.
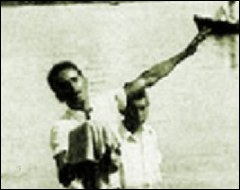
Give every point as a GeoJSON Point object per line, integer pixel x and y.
{"type": "Point", "coordinates": [200, 37]}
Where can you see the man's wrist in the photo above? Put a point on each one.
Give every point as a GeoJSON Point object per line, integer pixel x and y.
{"type": "Point", "coordinates": [190, 50]}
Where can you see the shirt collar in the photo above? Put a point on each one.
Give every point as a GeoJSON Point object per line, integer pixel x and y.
{"type": "Point", "coordinates": [79, 116]}
{"type": "Point", "coordinates": [127, 135]}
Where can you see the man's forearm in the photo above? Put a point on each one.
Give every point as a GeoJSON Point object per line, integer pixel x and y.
{"type": "Point", "coordinates": [162, 69]}
{"type": "Point", "coordinates": [151, 76]}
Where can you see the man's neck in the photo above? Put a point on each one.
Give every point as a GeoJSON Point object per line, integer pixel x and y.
{"type": "Point", "coordinates": [131, 126]}
{"type": "Point", "coordinates": [86, 111]}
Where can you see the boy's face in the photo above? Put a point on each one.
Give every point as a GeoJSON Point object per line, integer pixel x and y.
{"type": "Point", "coordinates": [74, 87]}
{"type": "Point", "coordinates": [138, 111]}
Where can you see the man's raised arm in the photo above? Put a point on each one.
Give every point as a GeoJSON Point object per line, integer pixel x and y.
{"type": "Point", "coordinates": [150, 77]}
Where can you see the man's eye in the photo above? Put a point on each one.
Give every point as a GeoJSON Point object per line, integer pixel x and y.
{"type": "Point", "coordinates": [142, 108]}
{"type": "Point", "coordinates": [74, 79]}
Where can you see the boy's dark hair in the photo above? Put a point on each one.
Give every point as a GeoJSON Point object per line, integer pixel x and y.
{"type": "Point", "coordinates": [53, 77]}
{"type": "Point", "coordinates": [137, 96]}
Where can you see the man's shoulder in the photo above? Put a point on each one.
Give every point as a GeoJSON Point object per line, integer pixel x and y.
{"type": "Point", "coordinates": [150, 132]}
{"type": "Point", "coordinates": [63, 123]}
{"type": "Point", "coordinates": [149, 129]}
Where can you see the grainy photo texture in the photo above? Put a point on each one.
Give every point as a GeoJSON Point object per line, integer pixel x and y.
{"type": "Point", "coordinates": [119, 95]}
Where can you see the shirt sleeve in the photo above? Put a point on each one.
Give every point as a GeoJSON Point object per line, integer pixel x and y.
{"type": "Point", "coordinates": [58, 139]}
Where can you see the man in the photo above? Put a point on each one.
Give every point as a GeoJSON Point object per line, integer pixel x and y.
{"type": "Point", "coordinates": [75, 132]}
{"type": "Point", "coordinates": [140, 156]}
{"type": "Point", "coordinates": [81, 148]}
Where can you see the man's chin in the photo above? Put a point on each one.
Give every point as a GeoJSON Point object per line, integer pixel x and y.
{"type": "Point", "coordinates": [76, 105]}
{"type": "Point", "coordinates": [79, 106]}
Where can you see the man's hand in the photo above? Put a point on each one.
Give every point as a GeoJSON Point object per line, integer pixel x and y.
{"type": "Point", "coordinates": [76, 184]}
{"type": "Point", "coordinates": [201, 36]}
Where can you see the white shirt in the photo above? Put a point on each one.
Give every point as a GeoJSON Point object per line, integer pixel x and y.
{"type": "Point", "coordinates": [105, 111]}
{"type": "Point", "coordinates": [91, 141]}
{"type": "Point", "coordinates": [59, 134]}
{"type": "Point", "coordinates": [140, 158]}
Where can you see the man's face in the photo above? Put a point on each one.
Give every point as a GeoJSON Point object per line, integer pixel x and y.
{"type": "Point", "coordinates": [138, 111]}
{"type": "Point", "coordinates": [74, 88]}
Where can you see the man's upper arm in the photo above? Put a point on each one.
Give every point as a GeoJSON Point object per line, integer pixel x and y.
{"type": "Point", "coordinates": [54, 140]}
{"type": "Point", "coordinates": [151, 76]}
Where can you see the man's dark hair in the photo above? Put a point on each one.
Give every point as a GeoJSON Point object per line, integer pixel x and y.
{"type": "Point", "coordinates": [53, 78]}
{"type": "Point", "coordinates": [137, 96]}
{"type": "Point", "coordinates": [130, 114]}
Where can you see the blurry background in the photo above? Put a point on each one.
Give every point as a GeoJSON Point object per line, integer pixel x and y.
{"type": "Point", "coordinates": [194, 110]}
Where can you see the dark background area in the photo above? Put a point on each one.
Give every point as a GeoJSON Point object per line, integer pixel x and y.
{"type": "Point", "coordinates": [51, 2]}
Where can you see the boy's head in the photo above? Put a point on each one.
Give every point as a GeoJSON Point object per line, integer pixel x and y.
{"type": "Point", "coordinates": [137, 109]}
{"type": "Point", "coordinates": [69, 84]}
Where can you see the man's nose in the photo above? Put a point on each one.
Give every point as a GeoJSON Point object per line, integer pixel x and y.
{"type": "Point", "coordinates": [77, 86]}
{"type": "Point", "coordinates": [140, 113]}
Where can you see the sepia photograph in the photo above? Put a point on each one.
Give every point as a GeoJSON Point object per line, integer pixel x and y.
{"type": "Point", "coordinates": [119, 94]}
